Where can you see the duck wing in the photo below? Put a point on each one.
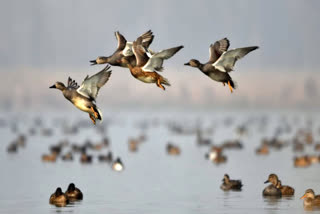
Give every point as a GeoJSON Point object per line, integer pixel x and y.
{"type": "Point", "coordinates": [72, 84]}
{"type": "Point", "coordinates": [147, 39]}
{"type": "Point", "coordinates": [140, 52]}
{"type": "Point", "coordinates": [91, 85]}
{"type": "Point", "coordinates": [227, 60]}
{"type": "Point", "coordinates": [156, 60]}
{"type": "Point", "coordinates": [121, 41]}
{"type": "Point", "coordinates": [217, 49]}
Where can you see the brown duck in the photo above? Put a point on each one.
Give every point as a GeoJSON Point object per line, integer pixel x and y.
{"type": "Point", "coordinates": [124, 49]}
{"type": "Point", "coordinates": [148, 64]}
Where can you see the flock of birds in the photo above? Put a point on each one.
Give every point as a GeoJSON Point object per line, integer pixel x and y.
{"type": "Point", "coordinates": [302, 138]}
{"type": "Point", "coordinates": [144, 65]}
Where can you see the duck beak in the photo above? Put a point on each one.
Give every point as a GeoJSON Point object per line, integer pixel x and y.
{"type": "Point", "coordinates": [266, 181]}
{"type": "Point", "coordinates": [93, 62]}
{"type": "Point", "coordinates": [187, 63]}
{"type": "Point", "coordinates": [303, 196]}
{"type": "Point", "coordinates": [54, 86]}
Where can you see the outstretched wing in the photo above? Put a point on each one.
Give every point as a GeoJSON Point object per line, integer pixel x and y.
{"type": "Point", "coordinates": [226, 62]}
{"type": "Point", "coordinates": [156, 60]}
{"type": "Point", "coordinates": [121, 41]}
{"type": "Point", "coordinates": [72, 84]}
{"type": "Point", "coordinates": [139, 52]}
{"type": "Point", "coordinates": [217, 49]}
{"type": "Point", "coordinates": [147, 38]}
{"type": "Point", "coordinates": [91, 85]}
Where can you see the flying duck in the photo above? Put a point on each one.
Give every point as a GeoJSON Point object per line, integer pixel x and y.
{"type": "Point", "coordinates": [148, 64]}
{"type": "Point", "coordinates": [221, 62]}
{"type": "Point", "coordinates": [84, 97]}
{"type": "Point", "coordinates": [124, 49]}
{"type": "Point", "coordinates": [230, 184]}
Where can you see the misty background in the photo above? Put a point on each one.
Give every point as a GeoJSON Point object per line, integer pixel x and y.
{"type": "Point", "coordinates": [46, 41]}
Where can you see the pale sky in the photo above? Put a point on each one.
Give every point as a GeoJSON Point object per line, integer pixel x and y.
{"type": "Point", "coordinates": [53, 36]}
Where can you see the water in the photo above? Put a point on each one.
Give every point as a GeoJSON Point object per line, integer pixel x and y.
{"type": "Point", "coordinates": [152, 181]}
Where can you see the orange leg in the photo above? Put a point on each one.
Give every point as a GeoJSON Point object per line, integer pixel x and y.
{"type": "Point", "coordinates": [93, 119]}
{"type": "Point", "coordinates": [159, 85]}
{"type": "Point", "coordinates": [94, 113]}
{"type": "Point", "coordinates": [230, 87]}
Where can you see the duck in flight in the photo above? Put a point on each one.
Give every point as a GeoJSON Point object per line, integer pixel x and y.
{"type": "Point", "coordinates": [221, 61]}
{"type": "Point", "coordinates": [147, 64]}
{"type": "Point", "coordinates": [84, 97]}
{"type": "Point", "coordinates": [124, 49]}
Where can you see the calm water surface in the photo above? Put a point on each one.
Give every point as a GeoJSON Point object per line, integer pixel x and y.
{"type": "Point", "coordinates": [152, 181]}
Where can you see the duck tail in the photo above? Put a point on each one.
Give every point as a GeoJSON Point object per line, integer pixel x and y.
{"type": "Point", "coordinates": [233, 84]}
{"type": "Point", "coordinates": [165, 81]}
{"type": "Point", "coordinates": [100, 116]}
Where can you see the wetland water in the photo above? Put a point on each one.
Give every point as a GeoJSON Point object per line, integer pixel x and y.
{"type": "Point", "coordinates": [152, 181]}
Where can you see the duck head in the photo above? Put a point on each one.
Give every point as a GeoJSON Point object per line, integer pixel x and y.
{"type": "Point", "coordinates": [273, 178]}
{"type": "Point", "coordinates": [58, 85]}
{"type": "Point", "coordinates": [308, 194]}
{"type": "Point", "coordinates": [193, 63]}
{"type": "Point", "coordinates": [100, 60]}
{"type": "Point", "coordinates": [71, 187]}
{"type": "Point", "coordinates": [226, 178]}
{"type": "Point", "coordinates": [58, 192]}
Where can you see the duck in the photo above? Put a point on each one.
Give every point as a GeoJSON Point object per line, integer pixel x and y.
{"type": "Point", "coordinates": [302, 161]}
{"type": "Point", "coordinates": [147, 65]}
{"type": "Point", "coordinates": [124, 49]}
{"type": "Point", "coordinates": [49, 157]}
{"type": "Point", "coordinates": [67, 157]}
{"type": "Point", "coordinates": [173, 149]}
{"type": "Point", "coordinates": [230, 184]}
{"type": "Point", "coordinates": [117, 165]}
{"type": "Point", "coordinates": [73, 193]}
{"type": "Point", "coordinates": [84, 97]}
{"type": "Point", "coordinates": [272, 189]}
{"type": "Point", "coordinates": [215, 155]}
{"type": "Point", "coordinates": [285, 190]}
{"type": "Point", "coordinates": [263, 149]}
{"type": "Point", "coordinates": [310, 199]}
{"type": "Point", "coordinates": [221, 62]}
{"type": "Point", "coordinates": [105, 158]}
{"type": "Point", "coordinates": [85, 158]}
{"type": "Point", "coordinates": [133, 144]}
{"type": "Point", "coordinates": [58, 198]}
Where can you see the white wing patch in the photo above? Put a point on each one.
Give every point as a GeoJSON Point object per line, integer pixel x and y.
{"type": "Point", "coordinates": [127, 51]}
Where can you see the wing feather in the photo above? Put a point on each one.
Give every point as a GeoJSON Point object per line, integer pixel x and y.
{"type": "Point", "coordinates": [217, 49]}
{"type": "Point", "coordinates": [91, 85]}
{"type": "Point", "coordinates": [226, 62]}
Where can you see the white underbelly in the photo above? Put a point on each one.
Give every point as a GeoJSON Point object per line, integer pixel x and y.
{"type": "Point", "coordinates": [146, 79]}
{"type": "Point", "coordinates": [81, 104]}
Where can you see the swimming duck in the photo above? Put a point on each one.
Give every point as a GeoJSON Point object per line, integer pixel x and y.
{"type": "Point", "coordinates": [85, 158]}
{"type": "Point", "coordinates": [49, 157]}
{"type": "Point", "coordinates": [147, 65]}
{"type": "Point", "coordinates": [272, 189]}
{"type": "Point", "coordinates": [84, 97]}
{"type": "Point", "coordinates": [105, 158]}
{"type": "Point", "coordinates": [117, 165]}
{"type": "Point", "coordinates": [310, 198]}
{"type": "Point", "coordinates": [230, 184]}
{"type": "Point", "coordinates": [73, 193]}
{"type": "Point", "coordinates": [124, 49]}
{"type": "Point", "coordinates": [216, 156]}
{"type": "Point", "coordinates": [285, 190]}
{"type": "Point", "coordinates": [221, 62]}
{"type": "Point", "coordinates": [67, 157]}
{"type": "Point", "coordinates": [172, 149]}
{"type": "Point", "coordinates": [302, 161]}
{"type": "Point", "coordinates": [59, 198]}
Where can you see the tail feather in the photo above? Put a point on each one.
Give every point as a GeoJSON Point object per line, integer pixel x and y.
{"type": "Point", "coordinates": [233, 84]}
{"type": "Point", "coordinates": [165, 81]}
